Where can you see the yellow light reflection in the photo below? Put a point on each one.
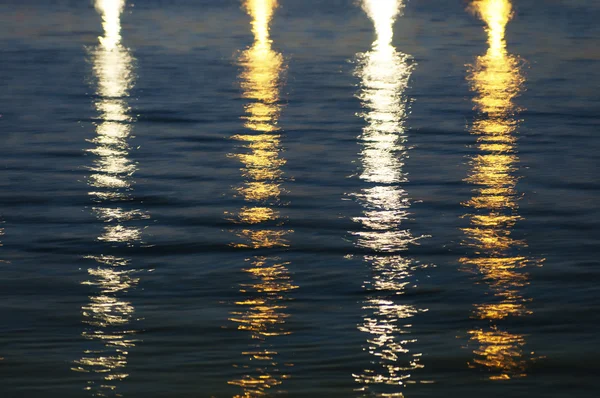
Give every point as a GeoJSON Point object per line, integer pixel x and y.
{"type": "Point", "coordinates": [384, 74]}
{"type": "Point", "coordinates": [262, 311]}
{"type": "Point", "coordinates": [497, 80]}
{"type": "Point", "coordinates": [107, 315]}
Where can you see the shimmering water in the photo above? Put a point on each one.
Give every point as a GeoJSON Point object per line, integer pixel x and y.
{"type": "Point", "coordinates": [342, 198]}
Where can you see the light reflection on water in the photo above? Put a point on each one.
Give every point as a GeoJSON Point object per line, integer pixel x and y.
{"type": "Point", "coordinates": [108, 315]}
{"type": "Point", "coordinates": [497, 79]}
{"type": "Point", "coordinates": [262, 311]}
{"type": "Point", "coordinates": [384, 74]}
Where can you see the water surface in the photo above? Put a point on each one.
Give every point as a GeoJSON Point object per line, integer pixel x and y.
{"type": "Point", "coordinates": [283, 198]}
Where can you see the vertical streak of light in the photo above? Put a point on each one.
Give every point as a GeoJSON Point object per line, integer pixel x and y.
{"type": "Point", "coordinates": [107, 316]}
{"type": "Point", "coordinates": [111, 22]}
{"type": "Point", "coordinates": [262, 311]}
{"type": "Point", "coordinates": [497, 80]}
{"type": "Point", "coordinates": [384, 73]}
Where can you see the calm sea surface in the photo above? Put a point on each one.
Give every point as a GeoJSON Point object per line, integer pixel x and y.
{"type": "Point", "coordinates": [339, 198]}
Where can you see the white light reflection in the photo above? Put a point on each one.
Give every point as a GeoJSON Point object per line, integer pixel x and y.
{"type": "Point", "coordinates": [262, 311]}
{"type": "Point", "coordinates": [108, 315]}
{"type": "Point", "coordinates": [384, 74]}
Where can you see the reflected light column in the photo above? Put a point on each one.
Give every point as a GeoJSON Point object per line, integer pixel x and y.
{"type": "Point", "coordinates": [108, 315]}
{"type": "Point", "coordinates": [262, 311]}
{"type": "Point", "coordinates": [497, 80]}
{"type": "Point", "coordinates": [384, 73]}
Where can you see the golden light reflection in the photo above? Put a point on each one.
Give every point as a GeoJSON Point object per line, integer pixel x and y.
{"type": "Point", "coordinates": [384, 74]}
{"type": "Point", "coordinates": [497, 80]}
{"type": "Point", "coordinates": [262, 311]}
{"type": "Point", "coordinates": [108, 314]}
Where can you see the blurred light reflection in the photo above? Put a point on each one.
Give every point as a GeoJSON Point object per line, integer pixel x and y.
{"type": "Point", "coordinates": [497, 80]}
{"type": "Point", "coordinates": [108, 315]}
{"type": "Point", "coordinates": [384, 73]}
{"type": "Point", "coordinates": [261, 312]}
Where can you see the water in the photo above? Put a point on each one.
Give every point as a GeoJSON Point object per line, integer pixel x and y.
{"type": "Point", "coordinates": [336, 199]}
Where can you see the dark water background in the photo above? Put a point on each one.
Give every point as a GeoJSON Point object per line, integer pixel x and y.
{"type": "Point", "coordinates": [175, 308]}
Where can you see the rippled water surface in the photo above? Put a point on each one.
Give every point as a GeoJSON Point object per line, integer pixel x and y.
{"type": "Point", "coordinates": [374, 198]}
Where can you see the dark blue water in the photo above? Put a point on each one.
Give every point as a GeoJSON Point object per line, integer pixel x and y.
{"type": "Point", "coordinates": [210, 199]}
